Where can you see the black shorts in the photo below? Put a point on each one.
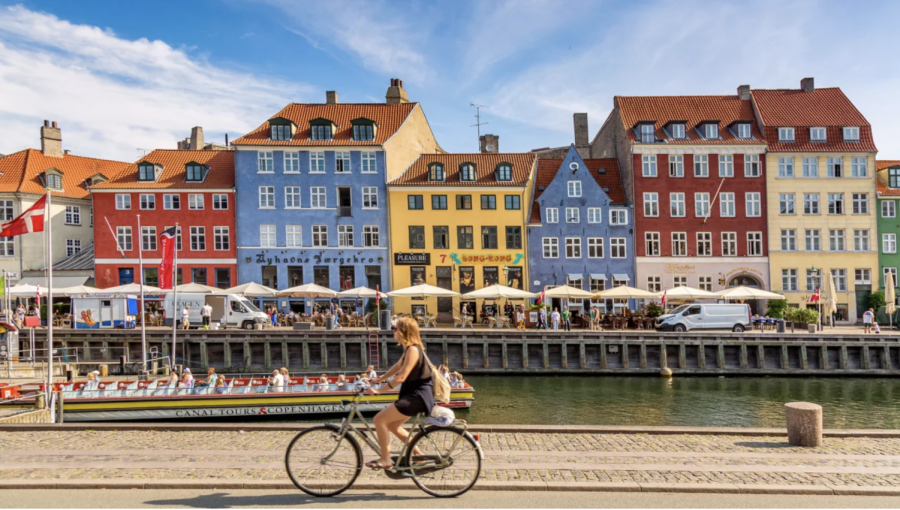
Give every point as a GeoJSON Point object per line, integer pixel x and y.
{"type": "Point", "coordinates": [206, 320]}
{"type": "Point", "coordinates": [411, 405]}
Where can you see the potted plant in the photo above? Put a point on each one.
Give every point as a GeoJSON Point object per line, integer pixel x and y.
{"type": "Point", "coordinates": [654, 310]}
{"type": "Point", "coordinates": [808, 316]}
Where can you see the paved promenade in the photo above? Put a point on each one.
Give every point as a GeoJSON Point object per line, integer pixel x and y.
{"type": "Point", "coordinates": [579, 460]}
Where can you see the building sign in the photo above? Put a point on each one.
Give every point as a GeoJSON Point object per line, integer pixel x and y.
{"type": "Point", "coordinates": [412, 259]}
{"type": "Point", "coordinates": [739, 270]}
{"type": "Point", "coordinates": [491, 276]}
{"type": "Point", "coordinates": [514, 278]}
{"type": "Point", "coordinates": [416, 275]}
{"type": "Point", "coordinates": [469, 258]}
{"type": "Point", "coordinates": [466, 279]}
{"type": "Point", "coordinates": [267, 259]}
{"type": "Point", "coordinates": [679, 268]}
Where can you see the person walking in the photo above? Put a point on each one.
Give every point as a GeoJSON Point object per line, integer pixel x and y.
{"type": "Point", "coordinates": [186, 317]}
{"type": "Point", "coordinates": [206, 315]}
{"type": "Point", "coordinates": [868, 319]}
{"type": "Point", "coordinates": [542, 318]}
{"type": "Point", "coordinates": [554, 318]}
{"type": "Point", "coordinates": [567, 318]}
{"type": "Point", "coordinates": [520, 318]}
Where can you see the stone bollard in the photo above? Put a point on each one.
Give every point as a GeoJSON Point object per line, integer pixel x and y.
{"type": "Point", "coordinates": [804, 423]}
{"type": "Point", "coordinates": [666, 372]}
{"type": "Point", "coordinates": [40, 402]}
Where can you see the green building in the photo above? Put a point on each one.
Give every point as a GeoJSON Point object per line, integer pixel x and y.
{"type": "Point", "coordinates": [889, 219]}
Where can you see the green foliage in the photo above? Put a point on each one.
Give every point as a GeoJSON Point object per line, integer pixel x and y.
{"type": "Point", "coordinates": [806, 316]}
{"type": "Point", "coordinates": [776, 308]}
{"type": "Point", "coordinates": [876, 300]}
{"type": "Point", "coordinates": [790, 314]}
{"type": "Point", "coordinates": [58, 308]}
{"type": "Point", "coordinates": [654, 310]}
{"type": "Point", "coordinates": [537, 307]}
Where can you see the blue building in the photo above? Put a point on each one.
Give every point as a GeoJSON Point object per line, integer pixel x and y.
{"type": "Point", "coordinates": [310, 192]}
{"type": "Point", "coordinates": [581, 228]}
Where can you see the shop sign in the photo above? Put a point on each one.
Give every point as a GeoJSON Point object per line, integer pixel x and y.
{"type": "Point", "coordinates": [738, 270]}
{"type": "Point", "coordinates": [679, 268]}
{"type": "Point", "coordinates": [471, 258]}
{"type": "Point", "coordinates": [412, 259]}
{"type": "Point", "coordinates": [320, 258]}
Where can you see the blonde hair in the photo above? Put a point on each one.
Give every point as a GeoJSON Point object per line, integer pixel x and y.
{"type": "Point", "coordinates": [220, 382]}
{"type": "Point", "coordinates": [284, 371]}
{"type": "Point", "coordinates": [408, 331]}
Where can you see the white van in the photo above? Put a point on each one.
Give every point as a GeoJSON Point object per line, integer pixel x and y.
{"type": "Point", "coordinates": [733, 316]}
{"type": "Point", "coordinates": [228, 310]}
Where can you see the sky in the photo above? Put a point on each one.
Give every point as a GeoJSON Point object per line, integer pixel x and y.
{"type": "Point", "coordinates": [122, 78]}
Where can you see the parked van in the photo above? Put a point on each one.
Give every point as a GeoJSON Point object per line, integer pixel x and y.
{"type": "Point", "coordinates": [733, 316]}
{"type": "Point", "coordinates": [228, 310]}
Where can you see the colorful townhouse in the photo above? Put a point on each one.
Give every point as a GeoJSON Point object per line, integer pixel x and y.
{"type": "Point", "coordinates": [193, 188]}
{"type": "Point", "coordinates": [458, 222]}
{"type": "Point", "coordinates": [821, 184]}
{"type": "Point", "coordinates": [888, 223]}
{"type": "Point", "coordinates": [696, 171]}
{"type": "Point", "coordinates": [311, 199]}
{"type": "Point", "coordinates": [24, 178]}
{"type": "Point", "coordinates": [580, 229]}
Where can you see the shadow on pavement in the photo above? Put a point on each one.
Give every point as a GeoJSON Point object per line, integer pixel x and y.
{"type": "Point", "coordinates": [227, 500]}
{"type": "Point", "coordinates": [761, 444]}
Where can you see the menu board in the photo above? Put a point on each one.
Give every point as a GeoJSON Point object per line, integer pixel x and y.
{"type": "Point", "coordinates": [416, 275]}
{"type": "Point", "coordinates": [491, 275]}
{"type": "Point", "coordinates": [514, 278]}
{"type": "Point", "coordinates": [466, 279]}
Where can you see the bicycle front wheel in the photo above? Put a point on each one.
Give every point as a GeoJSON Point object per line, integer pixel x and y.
{"type": "Point", "coordinates": [322, 463]}
{"type": "Point", "coordinates": [449, 464]}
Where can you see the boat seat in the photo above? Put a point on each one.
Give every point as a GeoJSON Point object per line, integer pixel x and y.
{"type": "Point", "coordinates": [299, 388]}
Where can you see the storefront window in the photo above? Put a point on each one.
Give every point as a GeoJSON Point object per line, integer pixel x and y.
{"type": "Point", "coordinates": [373, 277]}
{"type": "Point", "coordinates": [321, 276]}
{"type": "Point", "coordinates": [348, 277]}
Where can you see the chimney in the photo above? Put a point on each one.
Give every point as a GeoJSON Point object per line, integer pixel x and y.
{"type": "Point", "coordinates": [744, 92]}
{"type": "Point", "coordinates": [51, 140]}
{"type": "Point", "coordinates": [808, 84]}
{"type": "Point", "coordinates": [331, 97]}
{"type": "Point", "coordinates": [489, 143]}
{"type": "Point", "coordinates": [395, 93]}
{"type": "Point", "coordinates": [197, 138]}
{"type": "Point", "coordinates": [581, 129]}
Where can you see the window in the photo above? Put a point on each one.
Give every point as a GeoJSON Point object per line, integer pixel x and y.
{"type": "Point", "coordinates": [574, 188]}
{"type": "Point", "coordinates": [753, 204]}
{"type": "Point", "coordinates": [788, 239]}
{"type": "Point", "coordinates": [278, 132]}
{"type": "Point", "coordinates": [676, 166]}
{"type": "Point", "coordinates": [595, 215]}
{"type": "Point", "coordinates": [681, 281]}
{"type": "Point", "coordinates": [292, 197]}
{"type": "Point", "coordinates": [840, 279]}
{"type": "Point", "coordinates": [786, 203]}
{"type": "Point", "coordinates": [198, 238]}
{"type": "Point", "coordinates": [701, 165]}
{"type": "Point", "coordinates": [572, 215]}
{"type": "Point", "coordinates": [221, 239]}
{"type": "Point", "coordinates": [862, 276]}
{"type": "Point", "coordinates": [651, 244]}
{"type": "Point", "coordinates": [810, 203]}
{"type": "Point", "coordinates": [860, 203]}
{"type": "Point", "coordinates": [677, 131]}
{"type": "Point", "coordinates": [618, 217]}
{"type": "Point", "coordinates": [342, 162]}
{"type": "Point", "coordinates": [73, 215]}
{"type": "Point", "coordinates": [835, 203]}
{"type": "Point", "coordinates": [858, 167]}
{"type": "Point", "coordinates": [894, 177]}
{"type": "Point", "coordinates": [317, 197]}
{"type": "Point", "coordinates": [706, 283]}
{"type": "Point", "coordinates": [123, 237]}
{"type": "Point", "coordinates": [467, 172]}
{"type": "Point", "coordinates": [789, 280]}
{"type": "Point", "coordinates": [292, 162]}
{"type": "Point", "coordinates": [463, 202]}
{"type": "Point", "coordinates": [195, 202]}
{"type": "Point", "coordinates": [415, 202]}
{"type": "Point", "coordinates": [266, 197]}
{"type": "Point", "coordinates": [345, 236]}
{"type": "Point", "coordinates": [654, 283]}
{"type": "Point", "coordinates": [889, 243]}
{"type": "Point", "coordinates": [729, 244]}
{"type": "Point", "coordinates": [513, 238]}
{"type": "Point", "coordinates": [370, 197]}
{"type": "Point", "coordinates": [293, 236]}
{"type": "Point", "coordinates": [363, 132]}
{"type": "Point", "coordinates": [436, 172]}
{"type": "Point", "coordinates": [489, 239]}
{"type": "Point", "coordinates": [679, 244]}
{"type": "Point", "coordinates": [754, 244]}
{"type": "Point", "coordinates": [552, 214]}
{"type": "Point", "coordinates": [198, 275]}
{"type": "Point", "coordinates": [73, 246]}
{"type": "Point", "coordinates": [7, 244]}
{"type": "Point", "coordinates": [123, 202]}
{"type": "Point", "coordinates": [265, 162]}
{"type": "Point", "coordinates": [836, 240]}
{"type": "Point", "coordinates": [786, 134]}
{"type": "Point", "coordinates": [744, 131]}
{"type": "Point", "coordinates": [513, 202]}
{"type": "Point", "coordinates": [786, 167]}
{"type": "Point", "coordinates": [193, 173]}
{"type": "Point", "coordinates": [817, 134]}
{"type": "Point", "coordinates": [573, 247]}
{"type": "Point", "coordinates": [813, 239]}
{"type": "Point", "coordinates": [651, 205]}
{"type": "Point", "coordinates": [811, 167]}
{"type": "Point", "coordinates": [441, 237]}
{"type": "Point", "coordinates": [320, 132]}
{"type": "Point", "coordinates": [320, 235]}
{"type": "Point", "coordinates": [726, 206]}
{"type": "Point", "coordinates": [317, 162]}
{"type": "Point", "coordinates": [892, 272]}
{"type": "Point", "coordinates": [648, 165]}
{"type": "Point", "coordinates": [368, 163]}
{"type": "Point", "coordinates": [173, 202]}
{"type": "Point", "coordinates": [371, 236]}
{"type": "Point", "coordinates": [711, 131]}
{"type": "Point", "coordinates": [834, 166]}
{"type": "Point", "coordinates": [726, 165]}
{"type": "Point", "coordinates": [676, 205]}
{"type": "Point", "coordinates": [888, 208]}
{"type": "Point", "coordinates": [465, 238]}
{"type": "Point", "coordinates": [148, 238]}
{"type": "Point", "coordinates": [860, 240]}
{"type": "Point", "coordinates": [551, 248]}
{"type": "Point", "coordinates": [701, 205]}
{"type": "Point", "coordinates": [617, 249]}
{"type": "Point", "coordinates": [416, 238]}
{"type": "Point", "coordinates": [439, 202]}
{"type": "Point", "coordinates": [145, 173]}
{"type": "Point", "coordinates": [647, 133]}
{"type": "Point", "coordinates": [751, 166]}
{"type": "Point", "coordinates": [851, 134]}
{"type": "Point", "coordinates": [504, 172]}
{"type": "Point", "coordinates": [704, 244]}
{"type": "Point", "coordinates": [488, 202]}
{"type": "Point", "coordinates": [813, 280]}
{"type": "Point", "coordinates": [147, 202]}
{"type": "Point", "coordinates": [595, 247]}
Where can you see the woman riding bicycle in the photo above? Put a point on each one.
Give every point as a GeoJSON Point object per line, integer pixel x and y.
{"type": "Point", "coordinates": [413, 376]}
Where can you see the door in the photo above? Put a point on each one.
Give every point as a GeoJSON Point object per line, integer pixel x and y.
{"type": "Point", "coordinates": [445, 281]}
{"type": "Point", "coordinates": [862, 299]}
{"type": "Point", "coordinates": [693, 317]}
{"type": "Point", "coordinates": [106, 320]}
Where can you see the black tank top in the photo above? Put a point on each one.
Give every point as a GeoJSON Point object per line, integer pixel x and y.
{"type": "Point", "coordinates": [421, 372]}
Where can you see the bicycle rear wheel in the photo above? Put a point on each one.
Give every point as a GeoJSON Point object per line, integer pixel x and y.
{"type": "Point", "coordinates": [450, 462]}
{"type": "Point", "coordinates": [322, 463]}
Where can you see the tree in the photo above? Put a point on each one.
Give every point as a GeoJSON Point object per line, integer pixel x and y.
{"type": "Point", "coordinates": [876, 300]}
{"type": "Point", "coordinates": [776, 308]}
{"type": "Point", "coordinates": [654, 310]}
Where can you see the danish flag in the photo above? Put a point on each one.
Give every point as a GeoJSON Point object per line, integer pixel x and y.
{"type": "Point", "coordinates": [663, 300]}
{"type": "Point", "coordinates": [815, 297]}
{"type": "Point", "coordinates": [29, 221]}
{"type": "Point", "coordinates": [541, 297]}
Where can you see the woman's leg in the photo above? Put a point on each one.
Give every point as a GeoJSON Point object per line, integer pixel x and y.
{"type": "Point", "coordinates": [389, 420]}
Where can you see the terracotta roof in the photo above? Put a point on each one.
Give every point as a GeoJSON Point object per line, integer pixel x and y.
{"type": "Point", "coordinates": [547, 169]}
{"type": "Point", "coordinates": [693, 110]}
{"type": "Point", "coordinates": [881, 164]}
{"type": "Point", "coordinates": [823, 107]}
{"type": "Point", "coordinates": [387, 118]}
{"type": "Point", "coordinates": [20, 172]}
{"type": "Point", "coordinates": [485, 165]}
{"type": "Point", "coordinates": [887, 192]}
{"type": "Point", "coordinates": [173, 162]}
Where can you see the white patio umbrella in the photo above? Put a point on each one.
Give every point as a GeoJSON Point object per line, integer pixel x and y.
{"type": "Point", "coordinates": [499, 291]}
{"type": "Point", "coordinates": [309, 290]}
{"type": "Point", "coordinates": [686, 293]}
{"type": "Point", "coordinates": [889, 298]}
{"type": "Point", "coordinates": [625, 292]}
{"type": "Point", "coordinates": [196, 288]}
{"type": "Point", "coordinates": [78, 290]}
{"type": "Point", "coordinates": [252, 289]}
{"type": "Point", "coordinates": [23, 290]}
{"type": "Point", "coordinates": [566, 292]}
{"type": "Point", "coordinates": [746, 293]}
{"type": "Point", "coordinates": [361, 292]}
{"type": "Point", "coordinates": [423, 290]}
{"type": "Point", "coordinates": [133, 288]}
{"type": "Point", "coordinates": [831, 302]}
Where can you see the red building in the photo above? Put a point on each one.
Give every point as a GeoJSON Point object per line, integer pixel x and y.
{"type": "Point", "coordinates": [695, 166]}
{"type": "Point", "coordinates": [194, 188]}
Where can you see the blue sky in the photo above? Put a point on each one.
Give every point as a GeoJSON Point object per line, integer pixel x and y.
{"type": "Point", "coordinates": [119, 76]}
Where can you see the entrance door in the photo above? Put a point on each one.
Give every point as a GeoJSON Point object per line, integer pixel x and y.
{"type": "Point", "coordinates": [445, 281]}
{"type": "Point", "coordinates": [862, 299]}
{"type": "Point", "coordinates": [106, 320]}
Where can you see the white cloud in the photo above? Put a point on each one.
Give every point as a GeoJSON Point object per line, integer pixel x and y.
{"type": "Point", "coordinates": [112, 95]}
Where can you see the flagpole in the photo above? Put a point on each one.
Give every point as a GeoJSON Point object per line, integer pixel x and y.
{"type": "Point", "coordinates": [141, 311]}
{"type": "Point", "coordinates": [175, 293]}
{"type": "Point", "coordinates": [49, 221]}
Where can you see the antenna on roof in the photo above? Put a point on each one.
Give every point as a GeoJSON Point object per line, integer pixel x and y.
{"type": "Point", "coordinates": [145, 151]}
{"type": "Point", "coordinates": [478, 122]}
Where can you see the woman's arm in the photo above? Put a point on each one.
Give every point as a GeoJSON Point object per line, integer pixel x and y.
{"type": "Point", "coordinates": [409, 360]}
{"type": "Point", "coordinates": [393, 370]}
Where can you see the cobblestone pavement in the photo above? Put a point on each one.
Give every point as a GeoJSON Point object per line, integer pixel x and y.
{"type": "Point", "coordinates": [509, 457]}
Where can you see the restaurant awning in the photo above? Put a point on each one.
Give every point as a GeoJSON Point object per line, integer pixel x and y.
{"type": "Point", "coordinates": [59, 282]}
{"type": "Point", "coordinates": [596, 276]}
{"type": "Point", "coordinates": [574, 276]}
{"type": "Point", "coordinates": [623, 277]}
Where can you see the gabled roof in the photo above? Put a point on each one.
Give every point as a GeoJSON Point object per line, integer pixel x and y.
{"type": "Point", "coordinates": [881, 164]}
{"type": "Point", "coordinates": [485, 165]}
{"type": "Point", "coordinates": [883, 189]}
{"type": "Point", "coordinates": [219, 176]}
{"type": "Point", "coordinates": [387, 117]}
{"type": "Point", "coordinates": [694, 110]}
{"type": "Point", "coordinates": [548, 168]}
{"type": "Point", "coordinates": [822, 107]}
{"type": "Point", "coordinates": [21, 172]}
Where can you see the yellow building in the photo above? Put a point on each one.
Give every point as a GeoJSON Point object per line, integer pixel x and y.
{"type": "Point", "coordinates": [458, 221]}
{"type": "Point", "coordinates": [821, 182]}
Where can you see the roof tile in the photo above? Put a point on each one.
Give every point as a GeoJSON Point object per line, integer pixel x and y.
{"type": "Point", "coordinates": [20, 172]}
{"type": "Point", "coordinates": [220, 175]}
{"type": "Point", "coordinates": [547, 169]}
{"type": "Point", "coordinates": [485, 164]}
{"type": "Point", "coordinates": [693, 110]}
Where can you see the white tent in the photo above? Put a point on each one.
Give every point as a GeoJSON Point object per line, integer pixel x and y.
{"type": "Point", "coordinates": [361, 292]}
{"type": "Point", "coordinates": [423, 290]}
{"type": "Point", "coordinates": [197, 288]}
{"type": "Point", "coordinates": [309, 290]}
{"type": "Point", "coordinates": [133, 288]}
{"type": "Point", "coordinates": [747, 293]}
{"type": "Point", "coordinates": [625, 292]}
{"type": "Point", "coordinates": [78, 290]}
{"type": "Point", "coordinates": [498, 291]}
{"type": "Point", "coordinates": [686, 293]}
{"type": "Point", "coordinates": [566, 292]}
{"type": "Point", "coordinates": [252, 289]}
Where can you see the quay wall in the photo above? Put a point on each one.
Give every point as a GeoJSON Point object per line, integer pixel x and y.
{"type": "Point", "coordinates": [495, 352]}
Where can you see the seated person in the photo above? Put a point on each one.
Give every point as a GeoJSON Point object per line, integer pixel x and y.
{"type": "Point", "coordinates": [341, 383]}
{"type": "Point", "coordinates": [460, 382]}
{"type": "Point", "coordinates": [323, 383]}
{"type": "Point", "coordinates": [220, 385]}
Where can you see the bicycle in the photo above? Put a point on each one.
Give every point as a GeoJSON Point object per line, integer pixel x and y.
{"type": "Point", "coordinates": [326, 460]}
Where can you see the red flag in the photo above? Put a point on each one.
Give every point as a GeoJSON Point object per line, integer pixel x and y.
{"type": "Point", "coordinates": [167, 244]}
{"type": "Point", "coordinates": [815, 297]}
{"type": "Point", "coordinates": [663, 300]}
{"type": "Point", "coordinates": [541, 297]}
{"type": "Point", "coordinates": [29, 221]}
{"type": "Point", "coordinates": [377, 298]}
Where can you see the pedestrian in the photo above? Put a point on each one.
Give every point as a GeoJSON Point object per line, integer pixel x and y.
{"type": "Point", "coordinates": [554, 319]}
{"type": "Point", "coordinates": [20, 316]}
{"type": "Point", "coordinates": [868, 319]}
{"type": "Point", "coordinates": [206, 315]}
{"type": "Point", "coordinates": [542, 318]}
{"type": "Point", "coordinates": [186, 317]}
{"type": "Point", "coordinates": [567, 318]}
{"type": "Point", "coordinates": [520, 318]}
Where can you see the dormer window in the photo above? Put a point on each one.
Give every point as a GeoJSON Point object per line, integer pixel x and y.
{"type": "Point", "coordinates": [467, 172]}
{"type": "Point", "coordinates": [677, 130]}
{"type": "Point", "coordinates": [53, 179]}
{"type": "Point", "coordinates": [851, 134]}
{"type": "Point", "coordinates": [504, 172]}
{"type": "Point", "coordinates": [711, 131]}
{"type": "Point", "coordinates": [95, 179]}
{"type": "Point", "coordinates": [743, 131]}
{"type": "Point", "coordinates": [436, 172]}
{"type": "Point", "coordinates": [193, 172]}
{"type": "Point", "coordinates": [894, 177]}
{"type": "Point", "coordinates": [363, 130]}
{"type": "Point", "coordinates": [817, 134]}
{"type": "Point", "coordinates": [648, 134]}
{"type": "Point", "coordinates": [786, 134]}
{"type": "Point", "coordinates": [321, 129]}
{"type": "Point", "coordinates": [281, 129]}
{"type": "Point", "coordinates": [146, 172]}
